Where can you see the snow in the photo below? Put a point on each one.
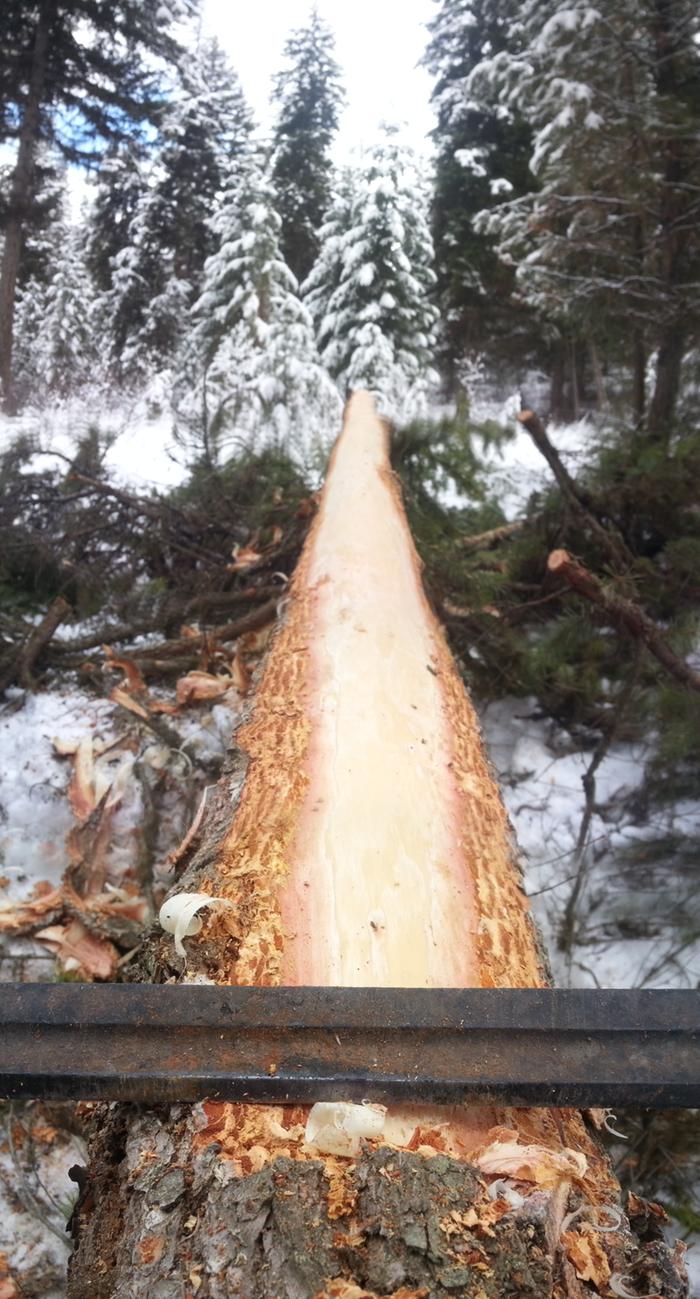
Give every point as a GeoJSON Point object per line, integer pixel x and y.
{"type": "Point", "coordinates": [137, 434]}
{"type": "Point", "coordinates": [541, 779]}
{"type": "Point", "coordinates": [35, 816]}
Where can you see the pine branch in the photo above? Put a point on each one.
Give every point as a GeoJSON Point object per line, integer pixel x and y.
{"type": "Point", "coordinates": [623, 614]}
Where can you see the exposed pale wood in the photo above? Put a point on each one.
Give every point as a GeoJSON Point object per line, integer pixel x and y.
{"type": "Point", "coordinates": [482, 540]}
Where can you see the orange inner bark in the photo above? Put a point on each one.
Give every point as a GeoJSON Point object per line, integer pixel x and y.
{"type": "Point", "coordinates": [371, 846]}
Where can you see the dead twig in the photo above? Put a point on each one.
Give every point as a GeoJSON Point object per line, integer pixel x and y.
{"type": "Point", "coordinates": [187, 645]}
{"type": "Point", "coordinates": [588, 780]}
{"type": "Point", "coordinates": [483, 540]}
{"type": "Point", "coordinates": [579, 500]}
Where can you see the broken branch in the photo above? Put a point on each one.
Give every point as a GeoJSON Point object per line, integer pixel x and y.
{"type": "Point", "coordinates": [623, 614]}
{"type": "Point", "coordinates": [483, 540]}
{"type": "Point", "coordinates": [22, 668]}
{"type": "Point", "coordinates": [579, 500]}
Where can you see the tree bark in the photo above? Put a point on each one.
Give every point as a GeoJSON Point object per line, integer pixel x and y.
{"type": "Point", "coordinates": [369, 847]}
{"type": "Point", "coordinates": [639, 377]}
{"type": "Point", "coordinates": [597, 369]}
{"type": "Point", "coordinates": [669, 362]}
{"type": "Point", "coordinates": [21, 195]}
{"type": "Point", "coordinates": [677, 226]}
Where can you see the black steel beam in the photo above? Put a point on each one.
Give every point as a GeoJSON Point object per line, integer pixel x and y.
{"type": "Point", "coordinates": [137, 1042]}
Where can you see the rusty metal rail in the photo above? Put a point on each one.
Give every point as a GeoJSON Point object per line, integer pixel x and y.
{"type": "Point", "coordinates": [553, 1047]}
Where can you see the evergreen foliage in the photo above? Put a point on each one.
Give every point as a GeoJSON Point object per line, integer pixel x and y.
{"type": "Point", "coordinates": [371, 288]}
{"type": "Point", "coordinates": [605, 244]}
{"type": "Point", "coordinates": [308, 96]}
{"type": "Point", "coordinates": [119, 190]}
{"type": "Point", "coordinates": [483, 155]}
{"type": "Point", "coordinates": [56, 339]}
{"type": "Point", "coordinates": [251, 369]}
{"type": "Point", "coordinates": [76, 75]}
{"type": "Point", "coordinates": [156, 274]}
{"type": "Point", "coordinates": [102, 73]}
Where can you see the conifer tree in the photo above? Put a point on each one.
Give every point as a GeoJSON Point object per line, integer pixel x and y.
{"type": "Point", "coordinates": [119, 190]}
{"type": "Point", "coordinates": [608, 239]}
{"type": "Point", "coordinates": [56, 339]}
{"type": "Point", "coordinates": [370, 290]}
{"type": "Point", "coordinates": [75, 74]}
{"type": "Point", "coordinates": [206, 130]}
{"type": "Point", "coordinates": [483, 154]}
{"type": "Point", "coordinates": [309, 97]}
{"type": "Point", "coordinates": [157, 274]}
{"type": "Point", "coordinates": [251, 359]}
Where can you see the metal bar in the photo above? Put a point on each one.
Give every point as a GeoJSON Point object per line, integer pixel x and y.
{"type": "Point", "coordinates": [525, 1046]}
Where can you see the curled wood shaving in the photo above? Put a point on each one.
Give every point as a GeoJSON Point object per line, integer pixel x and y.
{"type": "Point", "coordinates": [529, 1163]}
{"type": "Point", "coordinates": [197, 686]}
{"type": "Point", "coordinates": [79, 950]}
{"type": "Point", "coordinates": [178, 915]}
{"type": "Point", "coordinates": [338, 1128]}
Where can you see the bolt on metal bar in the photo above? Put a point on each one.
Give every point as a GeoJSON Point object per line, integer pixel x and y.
{"type": "Point", "coordinates": [525, 1046]}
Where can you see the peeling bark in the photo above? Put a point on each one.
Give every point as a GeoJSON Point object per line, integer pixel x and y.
{"type": "Point", "coordinates": [369, 846]}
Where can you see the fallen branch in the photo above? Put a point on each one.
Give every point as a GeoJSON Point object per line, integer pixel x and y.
{"type": "Point", "coordinates": [188, 645]}
{"type": "Point", "coordinates": [482, 540]}
{"type": "Point", "coordinates": [155, 510]}
{"type": "Point", "coordinates": [115, 634]}
{"type": "Point", "coordinates": [623, 614]}
{"type": "Point", "coordinates": [23, 666]}
{"type": "Point", "coordinates": [579, 500]}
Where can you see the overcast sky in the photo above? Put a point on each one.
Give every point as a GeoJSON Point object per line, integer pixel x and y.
{"type": "Point", "coordinates": [379, 44]}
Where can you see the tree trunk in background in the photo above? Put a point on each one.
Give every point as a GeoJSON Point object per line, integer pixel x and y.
{"type": "Point", "coordinates": [556, 391]}
{"type": "Point", "coordinates": [677, 224]}
{"type": "Point", "coordinates": [639, 376]}
{"type": "Point", "coordinates": [20, 198]}
{"type": "Point", "coordinates": [369, 847]}
{"type": "Point", "coordinates": [662, 408]}
{"type": "Point", "coordinates": [598, 378]}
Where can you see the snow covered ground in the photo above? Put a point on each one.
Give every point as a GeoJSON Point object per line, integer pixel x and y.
{"type": "Point", "coordinates": [629, 925]}
{"type": "Point", "coordinates": [138, 434]}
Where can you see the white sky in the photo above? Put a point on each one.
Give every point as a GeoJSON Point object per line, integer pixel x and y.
{"type": "Point", "coordinates": [378, 45]}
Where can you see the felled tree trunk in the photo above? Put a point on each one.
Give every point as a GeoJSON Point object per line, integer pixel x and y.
{"type": "Point", "coordinates": [369, 846]}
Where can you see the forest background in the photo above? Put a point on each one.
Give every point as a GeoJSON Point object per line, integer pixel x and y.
{"type": "Point", "coordinates": [174, 355]}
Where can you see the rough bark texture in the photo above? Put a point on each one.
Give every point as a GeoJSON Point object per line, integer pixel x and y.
{"type": "Point", "coordinates": [201, 1202]}
{"type": "Point", "coordinates": [181, 1219]}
